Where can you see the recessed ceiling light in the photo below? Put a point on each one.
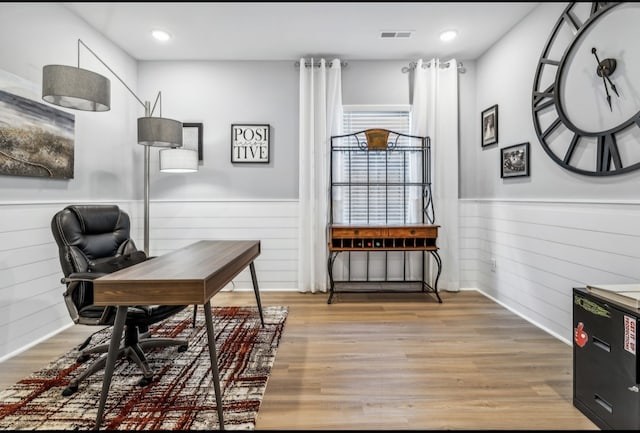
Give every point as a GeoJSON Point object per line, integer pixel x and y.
{"type": "Point", "coordinates": [161, 35]}
{"type": "Point", "coordinates": [448, 35]}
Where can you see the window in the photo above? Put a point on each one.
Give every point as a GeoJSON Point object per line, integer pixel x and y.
{"type": "Point", "coordinates": [376, 191]}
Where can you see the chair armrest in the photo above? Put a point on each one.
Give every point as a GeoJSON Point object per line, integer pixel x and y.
{"type": "Point", "coordinates": [72, 282]}
{"type": "Point", "coordinates": [81, 276]}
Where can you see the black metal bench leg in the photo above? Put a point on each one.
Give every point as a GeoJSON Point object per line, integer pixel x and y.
{"type": "Point", "coordinates": [330, 261]}
{"type": "Point", "coordinates": [436, 256]}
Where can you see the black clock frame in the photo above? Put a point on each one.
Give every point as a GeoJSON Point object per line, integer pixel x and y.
{"type": "Point", "coordinates": [608, 157]}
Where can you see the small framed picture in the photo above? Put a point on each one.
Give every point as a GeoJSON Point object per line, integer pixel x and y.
{"type": "Point", "coordinates": [489, 122]}
{"type": "Point", "coordinates": [250, 143]}
{"type": "Point", "coordinates": [192, 137]}
{"type": "Point", "coordinates": [514, 160]}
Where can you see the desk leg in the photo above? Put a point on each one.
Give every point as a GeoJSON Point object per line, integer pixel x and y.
{"type": "Point", "coordinates": [112, 355]}
{"type": "Point", "coordinates": [254, 279]}
{"type": "Point", "coordinates": [214, 361]}
{"type": "Point", "coordinates": [195, 315]}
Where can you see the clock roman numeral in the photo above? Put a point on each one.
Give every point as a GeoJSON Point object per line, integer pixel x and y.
{"type": "Point", "coordinates": [608, 153]}
{"type": "Point", "coordinates": [546, 96]}
{"type": "Point", "coordinates": [551, 127]}
{"type": "Point", "coordinates": [551, 62]}
{"type": "Point", "coordinates": [569, 17]}
{"type": "Point", "coordinates": [572, 147]}
{"type": "Point", "coordinates": [597, 6]}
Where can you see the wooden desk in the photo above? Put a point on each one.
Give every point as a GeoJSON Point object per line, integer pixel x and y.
{"type": "Point", "coordinates": [191, 275]}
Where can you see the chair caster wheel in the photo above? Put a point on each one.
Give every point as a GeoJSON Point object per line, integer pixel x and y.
{"type": "Point", "coordinates": [145, 381]}
{"type": "Point", "coordinates": [69, 391]}
{"type": "Point", "coordinates": [183, 348]}
{"type": "Point", "coordinates": [82, 358]}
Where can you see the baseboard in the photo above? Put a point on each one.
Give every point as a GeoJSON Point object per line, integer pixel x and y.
{"type": "Point", "coordinates": [34, 343]}
{"type": "Point", "coordinates": [534, 323]}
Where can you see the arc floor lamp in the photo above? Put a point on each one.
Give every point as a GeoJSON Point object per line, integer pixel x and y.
{"type": "Point", "coordinates": [81, 89]}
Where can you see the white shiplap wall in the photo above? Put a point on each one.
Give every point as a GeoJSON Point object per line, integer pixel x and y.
{"type": "Point", "coordinates": [273, 222]}
{"type": "Point", "coordinates": [31, 303]}
{"type": "Point", "coordinates": [542, 249]}
{"type": "Point", "coordinates": [545, 248]}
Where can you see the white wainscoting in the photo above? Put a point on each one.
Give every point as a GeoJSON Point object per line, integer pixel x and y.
{"type": "Point", "coordinates": [31, 303]}
{"type": "Point", "coordinates": [543, 249]}
{"type": "Point", "coordinates": [275, 223]}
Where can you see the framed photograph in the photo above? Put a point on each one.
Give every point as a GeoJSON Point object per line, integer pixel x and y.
{"type": "Point", "coordinates": [192, 137]}
{"type": "Point", "coordinates": [489, 122]}
{"type": "Point", "coordinates": [250, 143]}
{"type": "Point", "coordinates": [514, 160]}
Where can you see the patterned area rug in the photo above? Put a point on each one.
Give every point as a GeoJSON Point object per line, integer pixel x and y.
{"type": "Point", "coordinates": [181, 397]}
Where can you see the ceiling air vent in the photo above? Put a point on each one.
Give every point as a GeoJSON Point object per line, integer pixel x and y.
{"type": "Point", "coordinates": [395, 34]}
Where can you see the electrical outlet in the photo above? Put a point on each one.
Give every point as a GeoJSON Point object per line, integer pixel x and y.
{"type": "Point", "coordinates": [493, 264]}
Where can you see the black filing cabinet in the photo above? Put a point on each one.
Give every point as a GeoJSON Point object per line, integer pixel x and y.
{"type": "Point", "coordinates": [605, 365]}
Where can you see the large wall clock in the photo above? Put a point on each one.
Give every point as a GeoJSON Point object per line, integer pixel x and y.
{"type": "Point", "coordinates": [586, 91]}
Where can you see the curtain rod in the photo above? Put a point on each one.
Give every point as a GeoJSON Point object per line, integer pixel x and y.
{"type": "Point", "coordinates": [413, 65]}
{"type": "Point", "coordinates": [317, 64]}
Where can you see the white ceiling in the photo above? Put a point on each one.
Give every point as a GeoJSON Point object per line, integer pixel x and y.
{"type": "Point", "coordinates": [291, 30]}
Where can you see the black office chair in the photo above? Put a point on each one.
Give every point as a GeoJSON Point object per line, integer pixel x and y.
{"type": "Point", "coordinates": [94, 240]}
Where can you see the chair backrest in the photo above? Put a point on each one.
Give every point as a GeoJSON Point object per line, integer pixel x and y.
{"type": "Point", "coordinates": [88, 235]}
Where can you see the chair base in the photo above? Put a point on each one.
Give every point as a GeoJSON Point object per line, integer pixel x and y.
{"type": "Point", "coordinates": [134, 352]}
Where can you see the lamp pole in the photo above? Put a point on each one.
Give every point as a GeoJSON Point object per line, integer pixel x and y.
{"type": "Point", "coordinates": [147, 154]}
{"type": "Point", "coordinates": [76, 88]}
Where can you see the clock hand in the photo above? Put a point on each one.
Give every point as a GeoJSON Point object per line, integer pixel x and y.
{"type": "Point", "coordinates": [604, 79]}
{"type": "Point", "coordinates": [607, 90]}
{"type": "Point", "coordinates": [613, 86]}
{"type": "Point", "coordinates": [605, 72]}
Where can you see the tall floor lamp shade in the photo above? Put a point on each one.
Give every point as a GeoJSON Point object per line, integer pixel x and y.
{"type": "Point", "coordinates": [81, 89]}
{"type": "Point", "coordinates": [178, 160]}
{"type": "Point", "coordinates": [71, 87]}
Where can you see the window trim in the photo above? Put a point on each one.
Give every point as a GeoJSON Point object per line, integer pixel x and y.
{"type": "Point", "coordinates": [377, 107]}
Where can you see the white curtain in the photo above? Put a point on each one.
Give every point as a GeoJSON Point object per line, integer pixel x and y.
{"type": "Point", "coordinates": [320, 118]}
{"type": "Point", "coordinates": [435, 114]}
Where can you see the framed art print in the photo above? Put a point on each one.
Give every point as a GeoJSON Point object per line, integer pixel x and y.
{"type": "Point", "coordinates": [192, 137]}
{"type": "Point", "coordinates": [489, 122]}
{"type": "Point", "coordinates": [36, 139]}
{"type": "Point", "coordinates": [250, 143]}
{"type": "Point", "coordinates": [514, 160]}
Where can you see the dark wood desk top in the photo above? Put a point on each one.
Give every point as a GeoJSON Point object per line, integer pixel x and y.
{"type": "Point", "coordinates": [190, 275]}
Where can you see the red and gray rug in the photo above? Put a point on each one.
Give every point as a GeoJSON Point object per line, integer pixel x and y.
{"type": "Point", "coordinates": [181, 397]}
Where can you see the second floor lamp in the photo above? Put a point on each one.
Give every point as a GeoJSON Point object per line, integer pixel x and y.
{"type": "Point", "coordinates": [81, 89]}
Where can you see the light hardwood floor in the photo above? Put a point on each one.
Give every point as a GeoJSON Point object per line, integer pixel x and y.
{"type": "Point", "coordinates": [387, 361]}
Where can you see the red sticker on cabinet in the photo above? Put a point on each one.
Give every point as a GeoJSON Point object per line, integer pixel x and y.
{"type": "Point", "coordinates": [579, 335]}
{"type": "Point", "coordinates": [630, 334]}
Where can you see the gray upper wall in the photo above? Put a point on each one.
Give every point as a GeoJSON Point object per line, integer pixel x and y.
{"type": "Point", "coordinates": [505, 75]}
{"type": "Point", "coordinates": [219, 94]}
{"type": "Point", "coordinates": [107, 157]}
{"type": "Point", "coordinates": [108, 161]}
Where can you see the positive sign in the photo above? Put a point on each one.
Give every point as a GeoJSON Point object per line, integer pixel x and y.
{"type": "Point", "coordinates": [250, 143]}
